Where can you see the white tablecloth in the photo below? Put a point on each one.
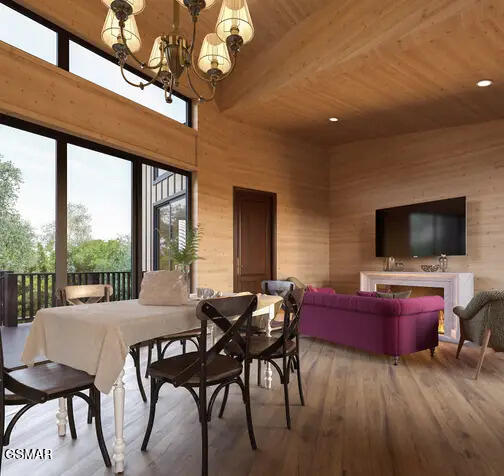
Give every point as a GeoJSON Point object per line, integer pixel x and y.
{"type": "Point", "coordinates": [96, 337]}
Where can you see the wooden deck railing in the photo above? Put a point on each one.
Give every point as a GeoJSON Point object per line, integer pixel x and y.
{"type": "Point", "coordinates": [23, 294]}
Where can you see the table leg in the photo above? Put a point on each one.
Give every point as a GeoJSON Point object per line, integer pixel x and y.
{"type": "Point", "coordinates": [268, 373]}
{"type": "Point", "coordinates": [61, 417]}
{"type": "Point", "coordinates": [212, 334]}
{"type": "Point", "coordinates": [119, 444]}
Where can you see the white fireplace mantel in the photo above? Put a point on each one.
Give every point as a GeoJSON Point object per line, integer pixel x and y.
{"type": "Point", "coordinates": [458, 290]}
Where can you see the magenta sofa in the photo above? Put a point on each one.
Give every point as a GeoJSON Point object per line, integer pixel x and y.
{"type": "Point", "coordinates": [385, 326]}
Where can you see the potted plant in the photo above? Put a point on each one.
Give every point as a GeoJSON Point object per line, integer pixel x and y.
{"type": "Point", "coordinates": [184, 252]}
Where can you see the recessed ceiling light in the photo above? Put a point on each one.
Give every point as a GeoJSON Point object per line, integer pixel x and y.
{"type": "Point", "coordinates": [333, 119]}
{"type": "Point", "coordinates": [484, 83]}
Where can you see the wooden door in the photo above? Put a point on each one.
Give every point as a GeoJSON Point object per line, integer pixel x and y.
{"type": "Point", "coordinates": [254, 243]}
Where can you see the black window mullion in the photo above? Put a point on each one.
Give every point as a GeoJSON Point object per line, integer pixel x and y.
{"type": "Point", "coordinates": [63, 50]}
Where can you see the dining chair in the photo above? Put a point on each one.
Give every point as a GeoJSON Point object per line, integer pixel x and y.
{"type": "Point", "coordinates": [162, 344]}
{"type": "Point", "coordinates": [285, 347]}
{"type": "Point", "coordinates": [272, 288]}
{"type": "Point", "coordinates": [209, 368]}
{"type": "Point", "coordinates": [92, 294]}
{"type": "Point", "coordinates": [31, 386]}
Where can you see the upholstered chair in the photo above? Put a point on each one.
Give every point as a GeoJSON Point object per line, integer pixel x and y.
{"type": "Point", "coordinates": [482, 322]}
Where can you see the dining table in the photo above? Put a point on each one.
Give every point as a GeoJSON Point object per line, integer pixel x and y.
{"type": "Point", "coordinates": [96, 338]}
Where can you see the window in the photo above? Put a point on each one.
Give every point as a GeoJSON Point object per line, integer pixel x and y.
{"type": "Point", "coordinates": [28, 35]}
{"type": "Point", "coordinates": [171, 221]}
{"type": "Point", "coordinates": [27, 219]}
{"type": "Point", "coordinates": [41, 38]}
{"type": "Point", "coordinates": [99, 70]}
{"type": "Point", "coordinates": [112, 208]}
{"type": "Point", "coordinates": [99, 219]}
{"type": "Point", "coordinates": [160, 174]}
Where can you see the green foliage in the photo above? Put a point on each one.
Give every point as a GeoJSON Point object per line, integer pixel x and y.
{"type": "Point", "coordinates": [22, 251]}
{"type": "Point", "coordinates": [100, 255]}
{"type": "Point", "coordinates": [17, 238]}
{"type": "Point", "coordinates": [184, 256]}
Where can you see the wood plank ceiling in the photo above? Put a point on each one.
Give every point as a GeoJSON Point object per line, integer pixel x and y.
{"type": "Point", "coordinates": [383, 67]}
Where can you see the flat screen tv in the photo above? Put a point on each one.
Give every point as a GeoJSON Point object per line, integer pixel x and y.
{"type": "Point", "coordinates": [422, 229]}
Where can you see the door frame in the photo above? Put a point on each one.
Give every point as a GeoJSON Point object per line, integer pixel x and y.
{"type": "Point", "coordinates": [273, 197]}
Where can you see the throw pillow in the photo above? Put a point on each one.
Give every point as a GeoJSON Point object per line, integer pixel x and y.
{"type": "Point", "coordinates": [163, 288]}
{"type": "Point", "coordinates": [366, 294]}
{"type": "Point", "coordinates": [311, 289]}
{"type": "Point", "coordinates": [400, 295]}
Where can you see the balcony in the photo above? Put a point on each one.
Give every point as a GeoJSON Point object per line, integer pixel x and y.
{"type": "Point", "coordinates": [23, 294]}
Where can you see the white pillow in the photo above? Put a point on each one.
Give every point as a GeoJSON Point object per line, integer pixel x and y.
{"type": "Point", "coordinates": [163, 288]}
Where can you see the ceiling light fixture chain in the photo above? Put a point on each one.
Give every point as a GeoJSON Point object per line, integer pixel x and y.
{"type": "Point", "coordinates": [171, 56]}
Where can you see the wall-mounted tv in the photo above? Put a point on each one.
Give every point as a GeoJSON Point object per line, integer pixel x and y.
{"type": "Point", "coordinates": [422, 229]}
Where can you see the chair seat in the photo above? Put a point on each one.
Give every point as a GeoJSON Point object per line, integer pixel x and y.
{"type": "Point", "coordinates": [258, 344]}
{"type": "Point", "coordinates": [223, 367]}
{"type": "Point", "coordinates": [13, 399]}
{"type": "Point", "coordinates": [53, 379]}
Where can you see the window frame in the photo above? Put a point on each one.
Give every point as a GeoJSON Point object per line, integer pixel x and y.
{"type": "Point", "coordinates": [63, 52]}
{"type": "Point", "coordinates": [62, 140]}
{"type": "Point", "coordinates": [156, 209]}
{"type": "Point", "coordinates": [159, 177]}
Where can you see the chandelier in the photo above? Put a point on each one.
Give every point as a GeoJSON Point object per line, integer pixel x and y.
{"type": "Point", "coordinates": [171, 54]}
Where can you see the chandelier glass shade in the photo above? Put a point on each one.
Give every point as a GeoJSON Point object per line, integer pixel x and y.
{"type": "Point", "coordinates": [172, 55]}
{"type": "Point", "coordinates": [111, 32]}
{"type": "Point", "coordinates": [214, 54]}
{"type": "Point", "coordinates": [234, 19]}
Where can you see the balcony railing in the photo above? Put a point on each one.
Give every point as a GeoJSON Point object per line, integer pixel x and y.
{"type": "Point", "coordinates": [23, 294]}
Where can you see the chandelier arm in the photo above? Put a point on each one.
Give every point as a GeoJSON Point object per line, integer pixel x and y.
{"type": "Point", "coordinates": [168, 96]}
{"type": "Point", "coordinates": [199, 97]}
{"type": "Point", "coordinates": [130, 53]}
{"type": "Point", "coordinates": [193, 39]}
{"type": "Point", "coordinates": [139, 85]}
{"type": "Point", "coordinates": [233, 64]}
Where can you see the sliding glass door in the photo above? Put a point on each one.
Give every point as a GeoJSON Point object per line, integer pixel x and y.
{"type": "Point", "coordinates": [122, 214]}
{"type": "Point", "coordinates": [27, 214]}
{"type": "Point", "coordinates": [99, 220]}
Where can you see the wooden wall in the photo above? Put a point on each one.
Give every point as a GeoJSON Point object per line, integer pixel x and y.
{"type": "Point", "coordinates": [224, 152]}
{"type": "Point", "coordinates": [233, 154]}
{"type": "Point", "coordinates": [37, 91]}
{"type": "Point", "coordinates": [400, 170]}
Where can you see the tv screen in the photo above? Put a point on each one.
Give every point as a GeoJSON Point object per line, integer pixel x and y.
{"type": "Point", "coordinates": [423, 229]}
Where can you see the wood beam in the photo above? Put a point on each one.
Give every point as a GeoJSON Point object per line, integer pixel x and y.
{"type": "Point", "coordinates": [330, 37]}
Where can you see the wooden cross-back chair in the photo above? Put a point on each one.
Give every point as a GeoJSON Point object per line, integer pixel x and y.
{"type": "Point", "coordinates": [31, 386]}
{"type": "Point", "coordinates": [209, 368]}
{"type": "Point", "coordinates": [272, 288]}
{"type": "Point", "coordinates": [86, 294]}
{"type": "Point", "coordinates": [93, 294]}
{"type": "Point", "coordinates": [283, 346]}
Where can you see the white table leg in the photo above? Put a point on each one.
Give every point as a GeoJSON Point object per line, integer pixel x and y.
{"type": "Point", "coordinates": [268, 373]}
{"type": "Point", "coordinates": [61, 417]}
{"type": "Point", "coordinates": [212, 335]}
{"type": "Point", "coordinates": [119, 444]}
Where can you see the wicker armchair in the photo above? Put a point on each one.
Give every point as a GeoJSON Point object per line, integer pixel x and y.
{"type": "Point", "coordinates": [482, 322]}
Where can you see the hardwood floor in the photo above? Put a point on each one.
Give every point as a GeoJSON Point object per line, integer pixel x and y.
{"type": "Point", "coordinates": [363, 416]}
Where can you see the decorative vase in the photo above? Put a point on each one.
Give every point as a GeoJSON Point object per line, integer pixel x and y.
{"type": "Point", "coordinates": [443, 263]}
{"type": "Point", "coordinates": [389, 264]}
{"type": "Point", "coordinates": [186, 273]}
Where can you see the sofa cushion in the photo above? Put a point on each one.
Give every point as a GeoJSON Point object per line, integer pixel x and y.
{"type": "Point", "coordinates": [376, 306]}
{"type": "Point", "coordinates": [366, 294]}
{"type": "Point", "coordinates": [311, 289]}
{"type": "Point", "coordinates": [399, 295]}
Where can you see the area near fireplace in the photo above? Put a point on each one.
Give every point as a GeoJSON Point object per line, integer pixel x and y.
{"type": "Point", "coordinates": [457, 289]}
